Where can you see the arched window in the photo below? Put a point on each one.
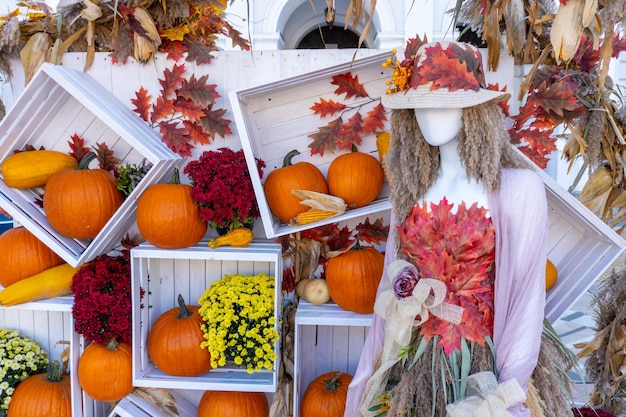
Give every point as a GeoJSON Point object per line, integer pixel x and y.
{"type": "Point", "coordinates": [330, 37]}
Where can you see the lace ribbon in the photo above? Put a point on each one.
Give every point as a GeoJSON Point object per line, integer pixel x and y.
{"type": "Point", "coordinates": [491, 399]}
{"type": "Point", "coordinates": [400, 317]}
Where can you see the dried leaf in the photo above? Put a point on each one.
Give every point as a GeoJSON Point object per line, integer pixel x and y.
{"type": "Point", "coordinates": [327, 107]}
{"type": "Point", "coordinates": [215, 123]}
{"type": "Point", "coordinates": [326, 138]}
{"type": "Point", "coordinates": [351, 132]}
{"type": "Point", "coordinates": [35, 52]}
{"type": "Point", "coordinates": [375, 120]}
{"type": "Point", "coordinates": [199, 90]}
{"type": "Point", "coordinates": [142, 103]}
{"type": "Point", "coordinates": [348, 84]}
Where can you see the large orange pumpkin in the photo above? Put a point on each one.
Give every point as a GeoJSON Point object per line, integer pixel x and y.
{"type": "Point", "coordinates": [233, 404]}
{"type": "Point", "coordinates": [23, 255]}
{"type": "Point", "coordinates": [168, 217]}
{"type": "Point", "coordinates": [326, 395]}
{"type": "Point", "coordinates": [174, 341]}
{"type": "Point", "coordinates": [105, 371]}
{"type": "Point", "coordinates": [43, 395]}
{"type": "Point", "coordinates": [300, 176]}
{"type": "Point", "coordinates": [352, 278]}
{"type": "Point", "coordinates": [356, 177]}
{"type": "Point", "coordinates": [79, 202]}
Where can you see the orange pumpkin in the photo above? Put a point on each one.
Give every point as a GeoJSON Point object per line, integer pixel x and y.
{"type": "Point", "coordinates": [233, 404]}
{"type": "Point", "coordinates": [168, 217]}
{"type": "Point", "coordinates": [105, 371]}
{"type": "Point", "coordinates": [299, 176]}
{"type": "Point", "coordinates": [43, 395]}
{"type": "Point", "coordinates": [326, 395]}
{"type": "Point", "coordinates": [79, 202]}
{"type": "Point", "coordinates": [174, 341]}
{"type": "Point", "coordinates": [551, 274]}
{"type": "Point", "coordinates": [352, 278]}
{"type": "Point", "coordinates": [23, 255]}
{"type": "Point", "coordinates": [356, 177]}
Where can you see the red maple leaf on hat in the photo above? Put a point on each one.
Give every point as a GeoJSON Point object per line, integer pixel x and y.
{"type": "Point", "coordinates": [449, 68]}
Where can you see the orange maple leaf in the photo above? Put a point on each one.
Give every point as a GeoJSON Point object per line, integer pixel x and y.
{"type": "Point", "coordinates": [446, 71]}
{"type": "Point", "coordinates": [375, 120]}
{"type": "Point", "coordinates": [558, 99]}
{"type": "Point", "coordinates": [374, 233]}
{"type": "Point", "coordinates": [172, 80]}
{"type": "Point", "coordinates": [175, 138]}
{"type": "Point", "coordinates": [188, 108]}
{"type": "Point", "coordinates": [142, 103]}
{"type": "Point", "coordinates": [175, 49]}
{"type": "Point", "coordinates": [349, 85]}
{"type": "Point", "coordinates": [326, 138]}
{"type": "Point", "coordinates": [162, 109]}
{"type": "Point", "coordinates": [351, 132]}
{"type": "Point", "coordinates": [214, 122]}
{"type": "Point", "coordinates": [327, 107]}
{"type": "Point", "coordinates": [196, 133]}
{"type": "Point", "coordinates": [199, 90]}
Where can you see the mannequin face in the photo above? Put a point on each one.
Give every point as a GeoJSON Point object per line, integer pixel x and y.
{"type": "Point", "coordinates": [439, 126]}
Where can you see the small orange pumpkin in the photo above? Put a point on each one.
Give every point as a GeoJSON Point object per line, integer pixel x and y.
{"type": "Point", "coordinates": [233, 404]}
{"type": "Point", "coordinates": [174, 341]}
{"type": "Point", "coordinates": [79, 202]}
{"type": "Point", "coordinates": [105, 371]}
{"type": "Point", "coordinates": [352, 278]}
{"type": "Point", "coordinates": [43, 395]}
{"type": "Point", "coordinates": [356, 177]}
{"type": "Point", "coordinates": [552, 274]}
{"type": "Point", "coordinates": [22, 255]}
{"type": "Point", "coordinates": [326, 395]}
{"type": "Point", "coordinates": [300, 176]}
{"type": "Point", "coordinates": [168, 217]}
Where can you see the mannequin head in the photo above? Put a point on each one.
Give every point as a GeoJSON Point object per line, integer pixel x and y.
{"type": "Point", "coordinates": [439, 126]}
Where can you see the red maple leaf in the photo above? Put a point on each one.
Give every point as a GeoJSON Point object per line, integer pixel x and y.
{"type": "Point", "coordinates": [188, 108]}
{"type": "Point", "coordinates": [374, 233]}
{"type": "Point", "coordinates": [459, 250]}
{"type": "Point", "coordinates": [327, 107]}
{"type": "Point", "coordinates": [446, 71]}
{"type": "Point", "coordinates": [340, 239]}
{"type": "Point", "coordinates": [235, 37]}
{"type": "Point", "coordinates": [349, 85]}
{"type": "Point", "coordinates": [375, 120]}
{"type": "Point", "coordinates": [351, 132]}
{"type": "Point", "coordinates": [175, 138]}
{"type": "Point", "coordinates": [172, 80]}
{"type": "Point", "coordinates": [538, 158]}
{"type": "Point", "coordinates": [199, 90]}
{"type": "Point", "coordinates": [327, 137]}
{"type": "Point", "coordinates": [162, 109]}
{"type": "Point", "coordinates": [197, 51]}
{"type": "Point", "coordinates": [558, 98]}
{"type": "Point", "coordinates": [77, 147]}
{"type": "Point", "coordinates": [142, 103]}
{"type": "Point", "coordinates": [175, 49]}
{"type": "Point", "coordinates": [214, 122]}
{"type": "Point", "coordinates": [106, 158]}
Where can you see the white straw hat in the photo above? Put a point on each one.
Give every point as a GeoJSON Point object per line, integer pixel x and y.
{"type": "Point", "coordinates": [440, 75]}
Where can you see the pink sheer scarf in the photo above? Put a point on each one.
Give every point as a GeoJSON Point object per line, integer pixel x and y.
{"type": "Point", "coordinates": [520, 216]}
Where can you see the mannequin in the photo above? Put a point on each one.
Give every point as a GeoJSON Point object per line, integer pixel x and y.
{"type": "Point", "coordinates": [453, 171]}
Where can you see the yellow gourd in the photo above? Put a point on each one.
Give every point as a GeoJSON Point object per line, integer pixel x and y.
{"type": "Point", "coordinates": [238, 238]}
{"type": "Point", "coordinates": [30, 169]}
{"type": "Point", "coordinates": [53, 282]}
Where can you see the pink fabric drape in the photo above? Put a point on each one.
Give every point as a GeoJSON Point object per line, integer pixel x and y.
{"type": "Point", "coordinates": [520, 216]}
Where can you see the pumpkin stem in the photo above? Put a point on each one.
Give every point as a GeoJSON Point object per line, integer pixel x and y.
{"type": "Point", "coordinates": [354, 148]}
{"type": "Point", "coordinates": [289, 156]}
{"type": "Point", "coordinates": [112, 344]}
{"type": "Point", "coordinates": [175, 176]}
{"type": "Point", "coordinates": [357, 245]}
{"type": "Point", "coordinates": [332, 383]}
{"type": "Point", "coordinates": [86, 160]}
{"type": "Point", "coordinates": [54, 372]}
{"type": "Point", "coordinates": [184, 311]}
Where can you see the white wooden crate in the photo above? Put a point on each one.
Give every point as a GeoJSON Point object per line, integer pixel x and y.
{"type": "Point", "coordinates": [164, 274]}
{"type": "Point", "coordinates": [134, 405]}
{"type": "Point", "coordinates": [56, 104]}
{"type": "Point", "coordinates": [327, 338]}
{"type": "Point", "coordinates": [275, 118]}
{"type": "Point", "coordinates": [49, 322]}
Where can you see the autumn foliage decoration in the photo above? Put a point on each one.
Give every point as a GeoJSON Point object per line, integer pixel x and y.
{"type": "Point", "coordinates": [183, 111]}
{"type": "Point", "coordinates": [340, 134]}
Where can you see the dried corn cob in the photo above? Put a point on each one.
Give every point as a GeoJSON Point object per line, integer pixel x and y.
{"type": "Point", "coordinates": [313, 215]}
{"type": "Point", "coordinates": [567, 29]}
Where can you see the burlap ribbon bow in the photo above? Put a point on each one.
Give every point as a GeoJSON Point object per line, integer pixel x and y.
{"type": "Point", "coordinates": [491, 399]}
{"type": "Point", "coordinates": [401, 315]}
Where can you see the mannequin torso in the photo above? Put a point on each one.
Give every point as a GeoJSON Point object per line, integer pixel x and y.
{"type": "Point", "coordinates": [440, 128]}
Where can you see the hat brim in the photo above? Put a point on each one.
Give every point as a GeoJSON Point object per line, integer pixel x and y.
{"type": "Point", "coordinates": [423, 97]}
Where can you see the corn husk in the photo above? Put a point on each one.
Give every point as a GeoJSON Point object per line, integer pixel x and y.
{"type": "Point", "coordinates": [145, 48]}
{"type": "Point", "coordinates": [514, 15]}
{"type": "Point", "coordinates": [320, 201]}
{"type": "Point", "coordinates": [597, 190]}
{"type": "Point", "coordinates": [35, 52]}
{"type": "Point", "coordinates": [567, 30]}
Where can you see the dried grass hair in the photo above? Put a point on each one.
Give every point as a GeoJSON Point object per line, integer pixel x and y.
{"type": "Point", "coordinates": [412, 164]}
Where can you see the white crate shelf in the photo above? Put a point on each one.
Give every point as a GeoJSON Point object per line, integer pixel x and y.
{"type": "Point", "coordinates": [275, 118]}
{"type": "Point", "coordinates": [327, 338]}
{"type": "Point", "coordinates": [57, 103]}
{"type": "Point", "coordinates": [164, 274]}
{"type": "Point", "coordinates": [49, 322]}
